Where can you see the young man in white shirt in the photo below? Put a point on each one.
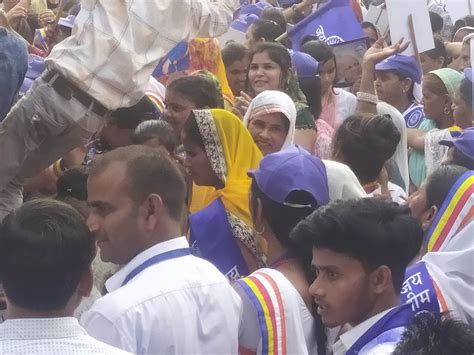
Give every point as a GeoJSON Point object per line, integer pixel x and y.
{"type": "Point", "coordinates": [104, 65]}
{"type": "Point", "coordinates": [361, 249]}
{"type": "Point", "coordinates": [46, 252]}
{"type": "Point", "coordinates": [163, 300]}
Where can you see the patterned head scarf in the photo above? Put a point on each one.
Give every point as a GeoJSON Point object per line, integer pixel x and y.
{"type": "Point", "coordinates": [232, 152]}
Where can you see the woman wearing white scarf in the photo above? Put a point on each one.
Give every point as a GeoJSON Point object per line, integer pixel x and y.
{"type": "Point", "coordinates": [265, 119]}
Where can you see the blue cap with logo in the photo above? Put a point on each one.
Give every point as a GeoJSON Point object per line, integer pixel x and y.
{"type": "Point", "coordinates": [463, 141]}
{"type": "Point", "coordinates": [306, 66]}
{"type": "Point", "coordinates": [292, 169]}
{"type": "Point", "coordinates": [402, 64]}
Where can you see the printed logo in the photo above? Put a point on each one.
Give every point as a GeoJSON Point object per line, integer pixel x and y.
{"type": "Point", "coordinates": [331, 40]}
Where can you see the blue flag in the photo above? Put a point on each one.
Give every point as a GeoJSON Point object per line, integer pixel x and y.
{"type": "Point", "coordinates": [333, 23]}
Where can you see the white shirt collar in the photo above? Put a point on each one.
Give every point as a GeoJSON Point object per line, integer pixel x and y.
{"type": "Point", "coordinates": [349, 338]}
{"type": "Point", "coordinates": [40, 328]}
{"type": "Point", "coordinates": [116, 280]}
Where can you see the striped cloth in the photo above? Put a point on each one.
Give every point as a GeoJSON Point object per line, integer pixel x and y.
{"type": "Point", "coordinates": [457, 210]}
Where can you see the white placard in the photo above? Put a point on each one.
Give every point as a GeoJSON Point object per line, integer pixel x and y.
{"type": "Point", "coordinates": [378, 16]}
{"type": "Point", "coordinates": [471, 44]}
{"type": "Point", "coordinates": [398, 12]}
{"type": "Point", "coordinates": [459, 8]}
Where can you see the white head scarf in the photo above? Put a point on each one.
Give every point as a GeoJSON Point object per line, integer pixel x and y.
{"type": "Point", "coordinates": [401, 154]}
{"type": "Point", "coordinates": [271, 101]}
{"type": "Point", "coordinates": [342, 183]}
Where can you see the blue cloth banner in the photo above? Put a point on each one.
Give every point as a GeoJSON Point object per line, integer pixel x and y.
{"type": "Point", "coordinates": [333, 23]}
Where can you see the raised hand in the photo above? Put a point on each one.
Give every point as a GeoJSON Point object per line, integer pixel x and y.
{"type": "Point", "coordinates": [378, 52]}
{"type": "Point", "coordinates": [47, 17]}
{"type": "Point", "coordinates": [17, 13]}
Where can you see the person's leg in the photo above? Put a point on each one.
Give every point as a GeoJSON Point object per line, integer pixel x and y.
{"type": "Point", "coordinates": [40, 128]}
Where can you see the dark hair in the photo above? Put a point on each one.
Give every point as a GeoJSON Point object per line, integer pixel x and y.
{"type": "Point", "coordinates": [266, 29]}
{"type": "Point", "coordinates": [280, 55]}
{"type": "Point", "coordinates": [148, 171]}
{"type": "Point", "coordinates": [73, 183]}
{"type": "Point", "coordinates": [465, 88]}
{"type": "Point", "coordinates": [437, 22]}
{"type": "Point", "coordinates": [311, 87]}
{"type": "Point", "coordinates": [45, 249]}
{"type": "Point", "coordinates": [276, 15]}
{"type": "Point", "coordinates": [440, 182]}
{"type": "Point", "coordinates": [321, 51]}
{"type": "Point", "coordinates": [159, 129]}
{"type": "Point", "coordinates": [281, 227]}
{"type": "Point", "coordinates": [432, 334]}
{"type": "Point", "coordinates": [438, 51]}
{"type": "Point", "coordinates": [373, 231]}
{"type": "Point", "coordinates": [365, 143]}
{"type": "Point", "coordinates": [233, 52]}
{"type": "Point", "coordinates": [199, 90]}
{"type": "Point", "coordinates": [466, 21]}
{"type": "Point", "coordinates": [131, 117]}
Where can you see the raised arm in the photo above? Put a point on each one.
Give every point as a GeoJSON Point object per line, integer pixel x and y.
{"type": "Point", "coordinates": [211, 18]}
{"type": "Point", "coordinates": [366, 99]}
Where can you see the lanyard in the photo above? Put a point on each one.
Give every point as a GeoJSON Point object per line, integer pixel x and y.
{"type": "Point", "coordinates": [172, 254]}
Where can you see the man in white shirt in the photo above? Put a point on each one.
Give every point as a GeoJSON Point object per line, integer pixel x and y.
{"type": "Point", "coordinates": [361, 249]}
{"type": "Point", "coordinates": [46, 252]}
{"type": "Point", "coordinates": [164, 300]}
{"type": "Point", "coordinates": [104, 65]}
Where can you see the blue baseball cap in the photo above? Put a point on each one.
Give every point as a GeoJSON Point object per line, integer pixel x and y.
{"type": "Point", "coordinates": [464, 142]}
{"type": "Point", "coordinates": [306, 66]}
{"type": "Point", "coordinates": [243, 22]}
{"type": "Point", "coordinates": [405, 65]}
{"type": "Point", "coordinates": [292, 169]}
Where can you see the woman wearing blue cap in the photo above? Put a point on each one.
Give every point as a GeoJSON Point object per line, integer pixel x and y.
{"type": "Point", "coordinates": [398, 83]}
{"type": "Point", "coordinates": [278, 314]}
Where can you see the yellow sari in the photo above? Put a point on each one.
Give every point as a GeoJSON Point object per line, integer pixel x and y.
{"type": "Point", "coordinates": [224, 217]}
{"type": "Point", "coordinates": [232, 152]}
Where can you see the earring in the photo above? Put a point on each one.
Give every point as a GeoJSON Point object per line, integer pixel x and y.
{"type": "Point", "coordinates": [447, 110]}
{"type": "Point", "coordinates": [260, 232]}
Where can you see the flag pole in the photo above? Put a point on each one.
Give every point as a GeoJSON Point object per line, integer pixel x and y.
{"type": "Point", "coordinates": [282, 37]}
{"type": "Point", "coordinates": [413, 39]}
{"type": "Point", "coordinates": [469, 4]}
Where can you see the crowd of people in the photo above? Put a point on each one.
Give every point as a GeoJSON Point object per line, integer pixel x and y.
{"type": "Point", "coordinates": [169, 188]}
